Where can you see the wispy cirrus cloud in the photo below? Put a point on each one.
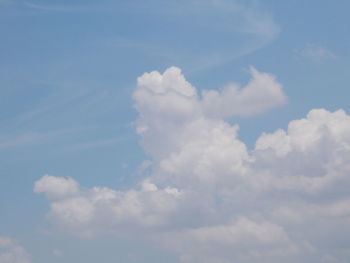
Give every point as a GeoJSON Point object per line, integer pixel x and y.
{"type": "Point", "coordinates": [205, 34]}
{"type": "Point", "coordinates": [92, 144]}
{"type": "Point", "coordinates": [316, 53]}
{"type": "Point", "coordinates": [65, 8]}
{"type": "Point", "coordinates": [31, 138]}
{"type": "Point", "coordinates": [6, 2]}
{"type": "Point", "coordinates": [57, 119]}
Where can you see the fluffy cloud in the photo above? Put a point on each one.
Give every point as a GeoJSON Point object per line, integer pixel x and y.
{"type": "Point", "coordinates": [55, 187]}
{"type": "Point", "coordinates": [211, 199]}
{"type": "Point", "coordinates": [88, 211]}
{"type": "Point", "coordinates": [11, 252]}
{"type": "Point", "coordinates": [262, 93]}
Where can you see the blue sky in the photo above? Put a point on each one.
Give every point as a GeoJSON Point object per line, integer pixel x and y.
{"type": "Point", "coordinates": [74, 103]}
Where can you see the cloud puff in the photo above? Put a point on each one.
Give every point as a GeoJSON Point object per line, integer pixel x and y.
{"type": "Point", "coordinates": [55, 187]}
{"type": "Point", "coordinates": [208, 197]}
{"type": "Point", "coordinates": [87, 210]}
{"type": "Point", "coordinates": [11, 252]}
{"type": "Point", "coordinates": [262, 93]}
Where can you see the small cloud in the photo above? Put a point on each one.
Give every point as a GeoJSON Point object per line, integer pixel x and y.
{"type": "Point", "coordinates": [315, 52]}
{"type": "Point", "coordinates": [57, 252]}
{"type": "Point", "coordinates": [124, 165]}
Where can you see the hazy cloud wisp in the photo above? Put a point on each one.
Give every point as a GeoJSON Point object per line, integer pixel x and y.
{"type": "Point", "coordinates": [11, 252]}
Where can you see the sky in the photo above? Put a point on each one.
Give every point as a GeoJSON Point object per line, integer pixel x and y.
{"type": "Point", "coordinates": [211, 131]}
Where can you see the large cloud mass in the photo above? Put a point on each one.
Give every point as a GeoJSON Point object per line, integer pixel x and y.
{"type": "Point", "coordinates": [208, 197]}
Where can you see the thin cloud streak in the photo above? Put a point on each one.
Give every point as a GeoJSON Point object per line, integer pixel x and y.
{"type": "Point", "coordinates": [316, 53]}
{"type": "Point", "coordinates": [32, 138]}
{"type": "Point", "coordinates": [95, 144]}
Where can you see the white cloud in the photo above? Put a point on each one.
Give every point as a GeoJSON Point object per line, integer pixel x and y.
{"type": "Point", "coordinates": [208, 197]}
{"type": "Point", "coordinates": [241, 233]}
{"type": "Point", "coordinates": [11, 252]}
{"type": "Point", "coordinates": [56, 187]}
{"type": "Point", "coordinates": [87, 211]}
{"type": "Point", "coordinates": [241, 241]}
{"type": "Point", "coordinates": [262, 93]}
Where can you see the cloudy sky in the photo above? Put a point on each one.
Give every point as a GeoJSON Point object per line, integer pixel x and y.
{"type": "Point", "coordinates": [189, 131]}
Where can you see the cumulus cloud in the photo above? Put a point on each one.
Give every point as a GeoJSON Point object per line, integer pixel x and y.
{"type": "Point", "coordinates": [262, 93]}
{"type": "Point", "coordinates": [55, 187]}
{"type": "Point", "coordinates": [85, 212]}
{"type": "Point", "coordinates": [208, 197]}
{"type": "Point", "coordinates": [11, 252]}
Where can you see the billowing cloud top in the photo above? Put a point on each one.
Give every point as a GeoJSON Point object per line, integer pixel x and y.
{"type": "Point", "coordinates": [208, 197]}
